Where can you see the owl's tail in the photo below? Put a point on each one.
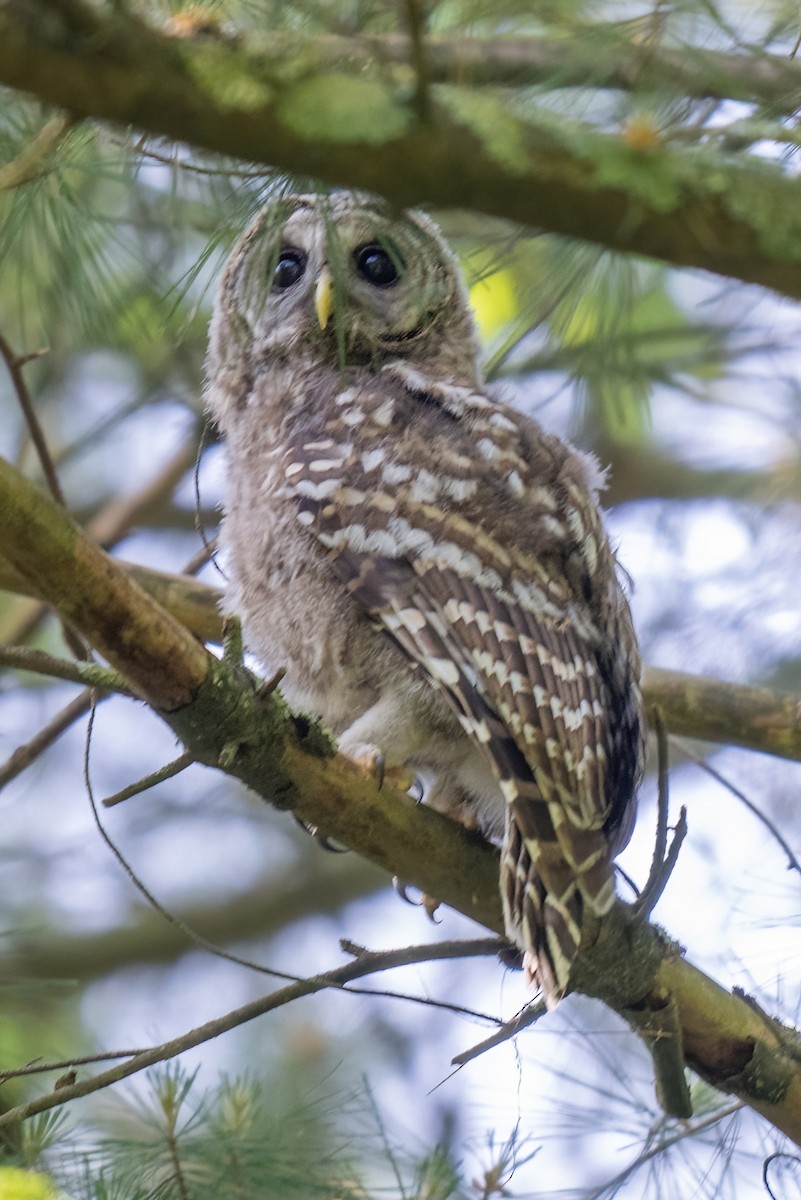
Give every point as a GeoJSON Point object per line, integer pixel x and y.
{"type": "Point", "coordinates": [545, 898]}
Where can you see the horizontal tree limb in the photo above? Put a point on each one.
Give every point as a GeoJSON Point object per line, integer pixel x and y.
{"type": "Point", "coordinates": [686, 207]}
{"type": "Point", "coordinates": [730, 713]}
{"type": "Point", "coordinates": [594, 56]}
{"type": "Point", "coordinates": [638, 472]}
{"type": "Point", "coordinates": [694, 706]}
{"type": "Point", "coordinates": [227, 724]}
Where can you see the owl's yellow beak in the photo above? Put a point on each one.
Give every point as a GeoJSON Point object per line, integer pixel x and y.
{"type": "Point", "coordinates": [324, 297]}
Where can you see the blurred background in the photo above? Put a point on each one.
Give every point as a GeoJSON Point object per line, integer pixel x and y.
{"type": "Point", "coordinates": [686, 385]}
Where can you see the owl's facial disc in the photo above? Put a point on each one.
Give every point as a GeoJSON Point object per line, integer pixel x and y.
{"type": "Point", "coordinates": [355, 281]}
{"type": "Point", "coordinates": [352, 277]}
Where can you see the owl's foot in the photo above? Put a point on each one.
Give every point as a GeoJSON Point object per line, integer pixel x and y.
{"type": "Point", "coordinates": [372, 762]}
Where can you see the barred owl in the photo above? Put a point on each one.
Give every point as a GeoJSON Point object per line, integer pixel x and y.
{"type": "Point", "coordinates": [429, 564]}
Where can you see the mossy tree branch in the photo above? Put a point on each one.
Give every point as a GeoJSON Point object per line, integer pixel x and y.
{"type": "Point", "coordinates": [688, 207]}
{"type": "Point", "coordinates": [214, 709]}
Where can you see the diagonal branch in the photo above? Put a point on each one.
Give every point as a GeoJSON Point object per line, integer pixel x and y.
{"type": "Point", "coordinates": [32, 161]}
{"type": "Point", "coordinates": [273, 904]}
{"type": "Point", "coordinates": [689, 207]}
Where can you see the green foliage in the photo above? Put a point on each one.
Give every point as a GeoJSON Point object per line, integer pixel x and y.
{"type": "Point", "coordinates": [241, 1140]}
{"type": "Point", "coordinates": [608, 321]}
{"type": "Point", "coordinates": [93, 244]}
{"type": "Point", "coordinates": [341, 108]}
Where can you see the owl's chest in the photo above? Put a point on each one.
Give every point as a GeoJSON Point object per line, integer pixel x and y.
{"type": "Point", "coordinates": [294, 611]}
{"type": "Point", "coordinates": [274, 561]}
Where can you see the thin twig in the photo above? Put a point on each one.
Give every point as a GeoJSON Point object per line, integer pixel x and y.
{"type": "Point", "coordinates": [169, 771]}
{"type": "Point", "coordinates": [530, 1014]}
{"type": "Point", "coordinates": [369, 964]}
{"type": "Point", "coordinates": [200, 558]}
{"type": "Point", "coordinates": [217, 950]}
{"type": "Point", "coordinates": [25, 658]}
{"type": "Point", "coordinates": [664, 858]}
{"type": "Point", "coordinates": [192, 935]}
{"type": "Point", "coordinates": [460, 1010]}
{"type": "Point", "coordinates": [679, 834]}
{"type": "Point", "coordinates": [14, 366]}
{"type": "Point", "coordinates": [653, 886]}
{"type": "Point", "coordinates": [686, 1130]}
{"type": "Point", "coordinates": [43, 1068]}
{"type": "Point", "coordinates": [29, 751]}
{"type": "Point", "coordinates": [209, 544]}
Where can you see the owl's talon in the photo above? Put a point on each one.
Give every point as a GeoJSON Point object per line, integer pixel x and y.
{"type": "Point", "coordinates": [400, 779]}
{"type": "Point", "coordinates": [429, 903]}
{"type": "Point", "coordinates": [329, 845]}
{"type": "Point", "coordinates": [374, 763]}
{"type": "Point", "coordinates": [401, 889]}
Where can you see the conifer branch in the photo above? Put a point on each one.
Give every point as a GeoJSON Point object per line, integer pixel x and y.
{"type": "Point", "coordinates": [688, 207]}
{"type": "Point", "coordinates": [32, 160]}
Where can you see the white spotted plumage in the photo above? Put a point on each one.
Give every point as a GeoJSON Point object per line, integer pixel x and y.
{"type": "Point", "coordinates": [430, 565]}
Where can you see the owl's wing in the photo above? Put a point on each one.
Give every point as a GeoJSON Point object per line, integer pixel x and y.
{"type": "Point", "coordinates": [513, 652]}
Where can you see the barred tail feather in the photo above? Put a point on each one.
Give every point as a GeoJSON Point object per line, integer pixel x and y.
{"type": "Point", "coordinates": [544, 903]}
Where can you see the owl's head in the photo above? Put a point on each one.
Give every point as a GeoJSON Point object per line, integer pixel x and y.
{"type": "Point", "coordinates": [345, 279]}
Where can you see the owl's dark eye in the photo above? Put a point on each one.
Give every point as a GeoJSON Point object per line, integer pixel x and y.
{"type": "Point", "coordinates": [375, 265]}
{"type": "Point", "coordinates": [288, 270]}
